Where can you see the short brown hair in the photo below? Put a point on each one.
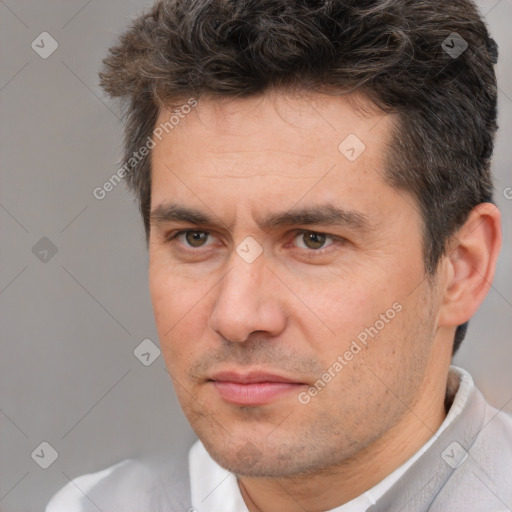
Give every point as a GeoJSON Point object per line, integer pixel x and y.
{"type": "Point", "coordinates": [397, 52]}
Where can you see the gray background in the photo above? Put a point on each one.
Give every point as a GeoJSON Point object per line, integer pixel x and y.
{"type": "Point", "coordinates": [69, 325]}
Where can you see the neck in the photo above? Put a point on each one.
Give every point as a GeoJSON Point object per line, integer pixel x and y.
{"type": "Point", "coordinates": [338, 485]}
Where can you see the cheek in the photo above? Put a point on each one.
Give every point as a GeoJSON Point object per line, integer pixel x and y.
{"type": "Point", "coordinates": [180, 316]}
{"type": "Point", "coordinates": [347, 306]}
{"type": "Point", "coordinates": [169, 301]}
{"type": "Point", "coordinates": [374, 310]}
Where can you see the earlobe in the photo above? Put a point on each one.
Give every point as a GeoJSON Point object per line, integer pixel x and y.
{"type": "Point", "coordinates": [471, 263]}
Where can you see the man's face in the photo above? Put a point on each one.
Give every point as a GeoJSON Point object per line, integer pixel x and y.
{"type": "Point", "coordinates": [293, 342]}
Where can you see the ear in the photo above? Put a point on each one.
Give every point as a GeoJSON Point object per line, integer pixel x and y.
{"type": "Point", "coordinates": [471, 263]}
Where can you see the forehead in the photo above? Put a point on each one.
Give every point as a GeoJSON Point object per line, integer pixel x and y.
{"type": "Point", "coordinates": [275, 120]}
{"type": "Point", "coordinates": [273, 149]}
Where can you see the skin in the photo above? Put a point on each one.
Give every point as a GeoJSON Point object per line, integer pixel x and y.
{"type": "Point", "coordinates": [297, 307]}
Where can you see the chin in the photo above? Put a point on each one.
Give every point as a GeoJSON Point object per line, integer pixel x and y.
{"type": "Point", "coordinates": [259, 458]}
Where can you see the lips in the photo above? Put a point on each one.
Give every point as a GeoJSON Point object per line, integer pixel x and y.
{"type": "Point", "coordinates": [253, 388]}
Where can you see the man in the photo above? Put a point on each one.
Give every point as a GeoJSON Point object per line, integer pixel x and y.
{"type": "Point", "coordinates": [314, 179]}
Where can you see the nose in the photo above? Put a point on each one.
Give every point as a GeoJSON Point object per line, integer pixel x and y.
{"type": "Point", "coordinates": [247, 302]}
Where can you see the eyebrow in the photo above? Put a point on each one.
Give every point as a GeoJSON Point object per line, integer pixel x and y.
{"type": "Point", "coordinates": [324, 214]}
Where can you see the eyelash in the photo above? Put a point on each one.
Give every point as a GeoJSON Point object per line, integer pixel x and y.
{"type": "Point", "coordinates": [310, 252]}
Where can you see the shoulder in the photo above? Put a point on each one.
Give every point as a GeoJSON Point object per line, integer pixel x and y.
{"type": "Point", "coordinates": [71, 497]}
{"type": "Point", "coordinates": [468, 465]}
{"type": "Point", "coordinates": [155, 482]}
{"type": "Point", "coordinates": [483, 479]}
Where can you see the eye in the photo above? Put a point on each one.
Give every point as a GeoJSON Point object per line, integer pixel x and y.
{"type": "Point", "coordinates": [191, 238]}
{"type": "Point", "coordinates": [312, 240]}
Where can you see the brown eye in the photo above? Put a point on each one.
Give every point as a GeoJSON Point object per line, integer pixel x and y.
{"type": "Point", "coordinates": [312, 240]}
{"type": "Point", "coordinates": [195, 238]}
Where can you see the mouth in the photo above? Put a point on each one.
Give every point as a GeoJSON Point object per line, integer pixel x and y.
{"type": "Point", "coordinates": [253, 388]}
